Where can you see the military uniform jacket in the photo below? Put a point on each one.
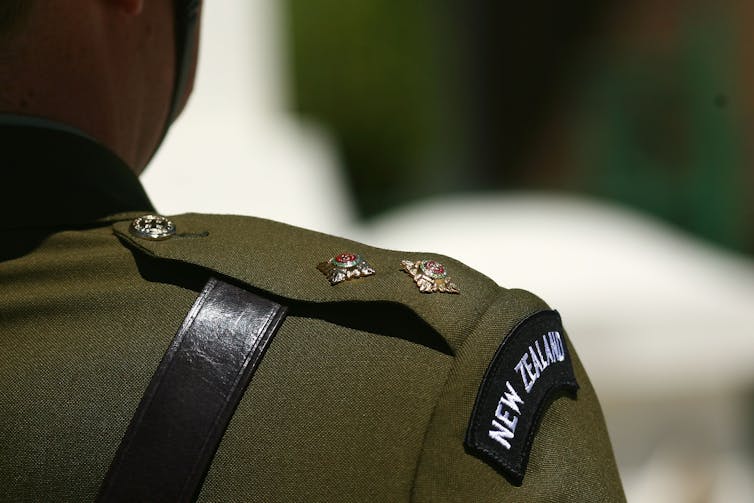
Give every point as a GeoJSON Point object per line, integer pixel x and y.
{"type": "Point", "coordinates": [366, 393]}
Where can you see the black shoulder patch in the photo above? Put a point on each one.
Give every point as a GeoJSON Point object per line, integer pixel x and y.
{"type": "Point", "coordinates": [530, 368]}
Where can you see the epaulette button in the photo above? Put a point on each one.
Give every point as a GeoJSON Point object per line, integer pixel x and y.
{"type": "Point", "coordinates": [154, 227]}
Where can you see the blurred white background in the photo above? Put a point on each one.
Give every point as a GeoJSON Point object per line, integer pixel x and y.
{"type": "Point", "coordinates": [662, 321]}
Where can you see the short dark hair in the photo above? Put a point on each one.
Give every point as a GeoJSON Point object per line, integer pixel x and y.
{"type": "Point", "coordinates": [12, 14]}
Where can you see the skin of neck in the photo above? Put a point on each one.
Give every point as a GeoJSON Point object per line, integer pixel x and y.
{"type": "Point", "coordinates": [105, 67]}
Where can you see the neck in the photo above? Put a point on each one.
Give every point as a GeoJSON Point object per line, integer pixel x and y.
{"type": "Point", "coordinates": [90, 77]}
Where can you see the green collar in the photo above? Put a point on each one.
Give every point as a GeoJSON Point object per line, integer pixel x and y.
{"type": "Point", "coordinates": [55, 176]}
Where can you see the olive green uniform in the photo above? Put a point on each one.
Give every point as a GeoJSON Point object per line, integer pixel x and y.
{"type": "Point", "coordinates": [364, 394]}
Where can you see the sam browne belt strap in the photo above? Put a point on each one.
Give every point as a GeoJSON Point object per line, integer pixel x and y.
{"type": "Point", "coordinates": [185, 410]}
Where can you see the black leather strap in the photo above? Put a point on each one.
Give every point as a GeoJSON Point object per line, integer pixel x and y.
{"type": "Point", "coordinates": [177, 427]}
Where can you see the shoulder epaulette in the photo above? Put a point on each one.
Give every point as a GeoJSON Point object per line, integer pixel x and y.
{"type": "Point", "coordinates": [282, 259]}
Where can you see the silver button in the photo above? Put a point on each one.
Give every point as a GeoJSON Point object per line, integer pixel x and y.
{"type": "Point", "coordinates": [154, 227]}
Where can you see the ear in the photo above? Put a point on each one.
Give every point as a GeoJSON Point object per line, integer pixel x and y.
{"type": "Point", "coordinates": [129, 7]}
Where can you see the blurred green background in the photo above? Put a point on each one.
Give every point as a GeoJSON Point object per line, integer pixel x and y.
{"type": "Point", "coordinates": [644, 103]}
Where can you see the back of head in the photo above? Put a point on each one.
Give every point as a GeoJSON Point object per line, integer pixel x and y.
{"type": "Point", "coordinates": [120, 70]}
{"type": "Point", "coordinates": [12, 15]}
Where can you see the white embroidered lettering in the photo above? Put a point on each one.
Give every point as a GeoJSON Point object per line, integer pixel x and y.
{"type": "Point", "coordinates": [528, 368]}
{"type": "Point", "coordinates": [505, 418]}
{"type": "Point", "coordinates": [520, 368]}
{"type": "Point", "coordinates": [542, 359]}
{"type": "Point", "coordinates": [505, 425]}
{"type": "Point", "coordinates": [501, 434]}
{"type": "Point", "coordinates": [550, 357]}
{"type": "Point", "coordinates": [531, 372]}
{"type": "Point", "coordinates": [557, 345]}
{"type": "Point", "coordinates": [538, 367]}
{"type": "Point", "coordinates": [510, 398]}
{"type": "Point", "coordinates": [554, 345]}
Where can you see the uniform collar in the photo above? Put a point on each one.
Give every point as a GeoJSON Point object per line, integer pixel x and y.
{"type": "Point", "coordinates": [56, 176]}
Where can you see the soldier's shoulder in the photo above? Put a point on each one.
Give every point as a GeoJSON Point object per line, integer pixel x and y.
{"type": "Point", "coordinates": [506, 354]}
{"type": "Point", "coordinates": [297, 264]}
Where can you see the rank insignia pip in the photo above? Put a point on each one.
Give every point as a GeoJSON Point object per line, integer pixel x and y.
{"type": "Point", "coordinates": [344, 267]}
{"type": "Point", "coordinates": [430, 276]}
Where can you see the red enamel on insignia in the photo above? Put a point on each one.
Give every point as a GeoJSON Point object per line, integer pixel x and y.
{"type": "Point", "coordinates": [434, 267]}
{"type": "Point", "coordinates": [344, 258]}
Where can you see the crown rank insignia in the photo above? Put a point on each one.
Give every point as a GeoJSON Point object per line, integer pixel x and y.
{"type": "Point", "coordinates": [430, 276]}
{"type": "Point", "coordinates": [344, 267]}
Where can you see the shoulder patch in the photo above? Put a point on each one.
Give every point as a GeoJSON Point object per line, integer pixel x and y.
{"type": "Point", "coordinates": [530, 368]}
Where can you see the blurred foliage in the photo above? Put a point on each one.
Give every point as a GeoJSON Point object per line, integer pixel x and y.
{"type": "Point", "coordinates": [430, 97]}
{"type": "Point", "coordinates": [435, 97]}
{"type": "Point", "coordinates": [368, 69]}
{"type": "Point", "coordinates": [658, 132]}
